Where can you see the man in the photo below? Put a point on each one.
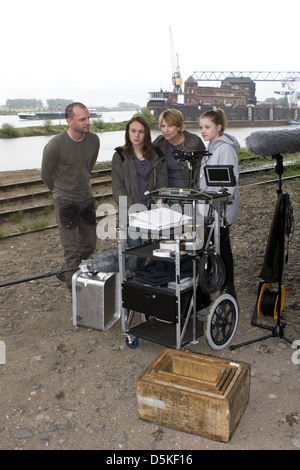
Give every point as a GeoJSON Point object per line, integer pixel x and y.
{"type": "Point", "coordinates": [68, 160]}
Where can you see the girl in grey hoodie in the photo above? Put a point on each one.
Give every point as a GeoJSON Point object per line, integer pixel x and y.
{"type": "Point", "coordinates": [223, 148]}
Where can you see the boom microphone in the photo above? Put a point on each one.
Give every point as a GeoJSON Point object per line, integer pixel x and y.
{"type": "Point", "coordinates": [271, 143]}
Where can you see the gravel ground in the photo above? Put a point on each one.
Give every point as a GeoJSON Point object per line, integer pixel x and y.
{"type": "Point", "coordinates": [66, 387]}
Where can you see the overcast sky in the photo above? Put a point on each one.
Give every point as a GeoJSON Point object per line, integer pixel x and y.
{"type": "Point", "coordinates": [103, 52]}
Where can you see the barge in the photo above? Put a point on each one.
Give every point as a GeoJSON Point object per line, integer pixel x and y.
{"type": "Point", "coordinates": [43, 115]}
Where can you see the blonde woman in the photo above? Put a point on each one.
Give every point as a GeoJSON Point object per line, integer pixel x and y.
{"type": "Point", "coordinates": [175, 137]}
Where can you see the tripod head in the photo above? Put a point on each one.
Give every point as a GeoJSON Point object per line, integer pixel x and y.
{"type": "Point", "coordinates": [190, 158]}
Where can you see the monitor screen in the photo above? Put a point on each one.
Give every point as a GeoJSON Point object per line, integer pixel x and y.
{"type": "Point", "coordinates": [219, 175]}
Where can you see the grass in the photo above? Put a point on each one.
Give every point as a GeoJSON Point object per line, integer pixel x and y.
{"type": "Point", "coordinates": [8, 131]}
{"type": "Point", "coordinates": [244, 160]}
{"type": "Point", "coordinates": [23, 228]}
{"type": "Point", "coordinates": [243, 154]}
{"type": "Point", "coordinates": [48, 209]}
{"type": "Point", "coordinates": [296, 185]}
{"type": "Point", "coordinates": [37, 224]}
{"type": "Point", "coordinates": [16, 216]}
{"type": "Point", "coordinates": [292, 170]}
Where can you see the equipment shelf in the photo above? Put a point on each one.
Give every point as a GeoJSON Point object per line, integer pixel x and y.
{"type": "Point", "coordinates": [176, 316]}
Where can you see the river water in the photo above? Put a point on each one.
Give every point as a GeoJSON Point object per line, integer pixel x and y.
{"type": "Point", "coordinates": [24, 153]}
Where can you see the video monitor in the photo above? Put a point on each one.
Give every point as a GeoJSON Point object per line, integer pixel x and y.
{"type": "Point", "coordinates": [219, 175]}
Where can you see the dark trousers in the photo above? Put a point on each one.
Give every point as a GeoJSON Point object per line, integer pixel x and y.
{"type": "Point", "coordinates": [77, 230]}
{"type": "Point", "coordinates": [226, 255]}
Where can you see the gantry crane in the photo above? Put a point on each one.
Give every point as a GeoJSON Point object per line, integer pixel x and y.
{"type": "Point", "coordinates": [255, 76]}
{"type": "Point", "coordinates": [287, 79]}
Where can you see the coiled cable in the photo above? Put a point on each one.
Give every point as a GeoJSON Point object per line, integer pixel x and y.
{"type": "Point", "coordinates": [212, 272]}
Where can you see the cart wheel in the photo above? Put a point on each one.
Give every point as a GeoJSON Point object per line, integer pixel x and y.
{"type": "Point", "coordinates": [221, 321]}
{"type": "Point", "coordinates": [132, 344]}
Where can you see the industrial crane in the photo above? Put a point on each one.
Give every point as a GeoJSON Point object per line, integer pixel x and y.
{"type": "Point", "coordinates": [291, 83]}
{"type": "Point", "coordinates": [176, 77]}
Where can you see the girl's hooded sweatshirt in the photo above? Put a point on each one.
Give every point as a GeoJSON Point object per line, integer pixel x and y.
{"type": "Point", "coordinates": [224, 152]}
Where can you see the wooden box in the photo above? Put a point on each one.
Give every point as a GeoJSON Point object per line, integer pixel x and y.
{"type": "Point", "coordinates": [195, 393]}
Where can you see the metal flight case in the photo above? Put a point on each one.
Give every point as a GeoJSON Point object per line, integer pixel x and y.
{"type": "Point", "coordinates": [96, 300]}
{"type": "Point", "coordinates": [177, 312]}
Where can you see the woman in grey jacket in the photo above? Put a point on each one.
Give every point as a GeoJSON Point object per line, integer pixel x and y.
{"type": "Point", "coordinates": [174, 137]}
{"type": "Point", "coordinates": [136, 166]}
{"type": "Point", "coordinates": [223, 149]}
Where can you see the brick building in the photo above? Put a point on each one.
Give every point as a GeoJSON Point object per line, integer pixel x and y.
{"type": "Point", "coordinates": [233, 91]}
{"type": "Point", "coordinates": [235, 95]}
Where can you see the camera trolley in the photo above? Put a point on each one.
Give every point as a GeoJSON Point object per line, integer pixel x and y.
{"type": "Point", "coordinates": [174, 313]}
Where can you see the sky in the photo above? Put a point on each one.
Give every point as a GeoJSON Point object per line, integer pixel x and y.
{"type": "Point", "coordinates": [103, 52]}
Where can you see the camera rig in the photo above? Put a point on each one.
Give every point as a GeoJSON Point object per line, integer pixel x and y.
{"type": "Point", "coordinates": [189, 157]}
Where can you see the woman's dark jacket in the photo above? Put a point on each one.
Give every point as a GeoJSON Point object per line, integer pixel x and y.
{"type": "Point", "coordinates": [191, 143]}
{"type": "Point", "coordinates": [124, 177]}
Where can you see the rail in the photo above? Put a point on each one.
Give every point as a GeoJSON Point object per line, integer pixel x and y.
{"type": "Point", "coordinates": [43, 192]}
{"type": "Point", "coordinates": [39, 181]}
{"type": "Point", "coordinates": [104, 196]}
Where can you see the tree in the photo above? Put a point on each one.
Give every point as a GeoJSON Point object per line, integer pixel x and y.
{"type": "Point", "coordinates": [58, 104]}
{"type": "Point", "coordinates": [283, 101]}
{"type": "Point", "coordinates": [127, 106]}
{"type": "Point", "coordinates": [146, 114]}
{"type": "Point", "coordinates": [21, 103]}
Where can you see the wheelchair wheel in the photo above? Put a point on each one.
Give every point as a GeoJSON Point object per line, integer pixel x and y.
{"type": "Point", "coordinates": [221, 321]}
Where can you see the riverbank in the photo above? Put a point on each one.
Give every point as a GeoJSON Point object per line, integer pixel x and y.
{"type": "Point", "coordinates": [8, 131]}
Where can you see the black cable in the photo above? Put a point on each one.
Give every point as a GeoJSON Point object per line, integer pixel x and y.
{"type": "Point", "coordinates": [39, 276]}
{"type": "Point", "coordinates": [268, 302]}
{"type": "Point", "coordinates": [289, 225]}
{"type": "Point", "coordinates": [212, 272]}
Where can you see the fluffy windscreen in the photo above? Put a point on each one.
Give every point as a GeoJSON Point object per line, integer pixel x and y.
{"type": "Point", "coordinates": [269, 143]}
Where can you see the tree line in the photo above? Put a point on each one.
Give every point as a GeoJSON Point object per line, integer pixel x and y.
{"type": "Point", "coordinates": [34, 104]}
{"type": "Point", "coordinates": [58, 104]}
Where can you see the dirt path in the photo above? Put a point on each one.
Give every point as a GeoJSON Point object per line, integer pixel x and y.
{"type": "Point", "coordinates": [64, 387]}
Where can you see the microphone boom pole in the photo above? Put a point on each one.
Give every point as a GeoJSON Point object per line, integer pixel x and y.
{"type": "Point", "coordinates": [39, 276]}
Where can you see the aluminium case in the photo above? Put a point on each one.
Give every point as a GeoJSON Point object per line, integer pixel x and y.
{"type": "Point", "coordinates": [96, 300]}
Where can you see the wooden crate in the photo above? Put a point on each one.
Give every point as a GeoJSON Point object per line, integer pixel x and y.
{"type": "Point", "coordinates": [194, 393]}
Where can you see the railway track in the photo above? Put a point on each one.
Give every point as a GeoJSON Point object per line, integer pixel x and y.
{"type": "Point", "coordinates": [27, 206]}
